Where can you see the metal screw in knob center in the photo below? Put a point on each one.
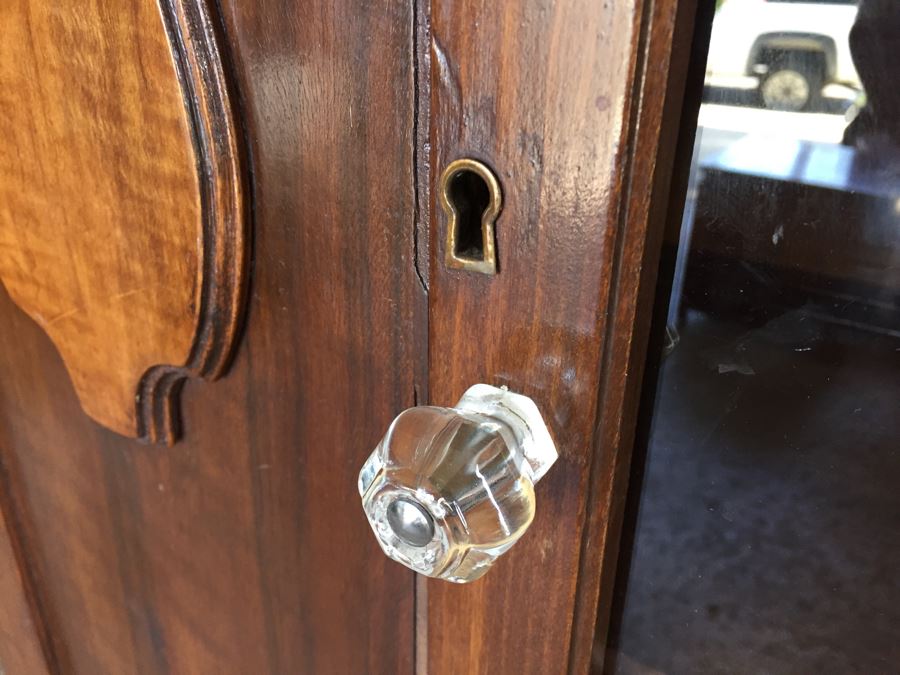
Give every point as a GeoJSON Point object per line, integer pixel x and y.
{"type": "Point", "coordinates": [410, 521]}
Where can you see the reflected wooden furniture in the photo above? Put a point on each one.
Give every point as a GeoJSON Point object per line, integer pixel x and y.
{"type": "Point", "coordinates": [797, 222]}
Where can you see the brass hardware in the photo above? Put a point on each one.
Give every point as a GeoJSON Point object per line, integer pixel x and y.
{"type": "Point", "coordinates": [482, 257]}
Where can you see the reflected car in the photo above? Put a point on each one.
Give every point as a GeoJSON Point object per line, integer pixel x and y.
{"type": "Point", "coordinates": [789, 50]}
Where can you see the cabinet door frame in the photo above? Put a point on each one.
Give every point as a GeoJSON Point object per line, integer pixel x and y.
{"type": "Point", "coordinates": [520, 88]}
{"type": "Point", "coordinates": [578, 109]}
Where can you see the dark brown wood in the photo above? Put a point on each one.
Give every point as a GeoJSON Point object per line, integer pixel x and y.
{"type": "Point", "coordinates": [20, 641]}
{"type": "Point", "coordinates": [566, 102]}
{"type": "Point", "coordinates": [122, 174]}
{"type": "Point", "coordinates": [652, 200]}
{"type": "Point", "coordinates": [243, 548]}
{"type": "Point", "coordinates": [679, 89]}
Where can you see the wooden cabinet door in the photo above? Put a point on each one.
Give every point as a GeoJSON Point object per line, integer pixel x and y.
{"type": "Point", "coordinates": [224, 273]}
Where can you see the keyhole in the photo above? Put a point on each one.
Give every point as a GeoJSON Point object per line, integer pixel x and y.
{"type": "Point", "coordinates": [470, 196]}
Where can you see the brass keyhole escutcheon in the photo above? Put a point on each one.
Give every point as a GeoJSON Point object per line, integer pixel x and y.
{"type": "Point", "coordinates": [470, 196]}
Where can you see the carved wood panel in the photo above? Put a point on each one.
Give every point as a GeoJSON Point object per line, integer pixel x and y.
{"type": "Point", "coordinates": [122, 207]}
{"type": "Point", "coordinates": [246, 550]}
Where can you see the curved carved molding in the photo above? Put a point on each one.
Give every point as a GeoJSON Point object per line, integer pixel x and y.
{"type": "Point", "coordinates": [124, 219]}
{"type": "Point", "coordinates": [195, 41]}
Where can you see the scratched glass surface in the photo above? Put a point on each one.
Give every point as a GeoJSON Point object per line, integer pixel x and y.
{"type": "Point", "coordinates": [767, 537]}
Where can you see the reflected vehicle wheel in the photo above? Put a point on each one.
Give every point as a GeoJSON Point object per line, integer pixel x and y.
{"type": "Point", "coordinates": [793, 83]}
{"type": "Point", "coordinates": [786, 89]}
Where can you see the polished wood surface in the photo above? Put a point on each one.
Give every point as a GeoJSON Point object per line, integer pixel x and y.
{"type": "Point", "coordinates": [122, 227]}
{"type": "Point", "coordinates": [20, 643]}
{"type": "Point", "coordinates": [664, 127]}
{"type": "Point", "coordinates": [564, 101]}
{"type": "Point", "coordinates": [243, 548]}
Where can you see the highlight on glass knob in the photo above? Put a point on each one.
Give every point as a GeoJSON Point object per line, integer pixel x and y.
{"type": "Point", "coordinates": [449, 490]}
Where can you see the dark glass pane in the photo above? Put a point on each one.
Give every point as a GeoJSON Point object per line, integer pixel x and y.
{"type": "Point", "coordinates": [768, 533]}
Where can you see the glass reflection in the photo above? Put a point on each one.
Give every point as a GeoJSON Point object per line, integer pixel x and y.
{"type": "Point", "coordinates": [768, 534]}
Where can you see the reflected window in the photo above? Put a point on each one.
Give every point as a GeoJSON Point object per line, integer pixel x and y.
{"type": "Point", "coordinates": [767, 537]}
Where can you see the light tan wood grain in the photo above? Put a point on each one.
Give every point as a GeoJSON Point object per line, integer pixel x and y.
{"type": "Point", "coordinates": [102, 237]}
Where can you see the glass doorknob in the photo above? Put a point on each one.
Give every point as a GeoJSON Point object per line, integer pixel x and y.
{"type": "Point", "coordinates": [449, 490]}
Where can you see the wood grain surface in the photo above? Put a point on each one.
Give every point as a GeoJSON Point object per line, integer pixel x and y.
{"type": "Point", "coordinates": [664, 125]}
{"type": "Point", "coordinates": [20, 642]}
{"type": "Point", "coordinates": [564, 101]}
{"type": "Point", "coordinates": [122, 219]}
{"type": "Point", "coordinates": [243, 548]}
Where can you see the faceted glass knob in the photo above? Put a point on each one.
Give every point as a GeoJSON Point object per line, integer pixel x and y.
{"type": "Point", "coordinates": [449, 490]}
